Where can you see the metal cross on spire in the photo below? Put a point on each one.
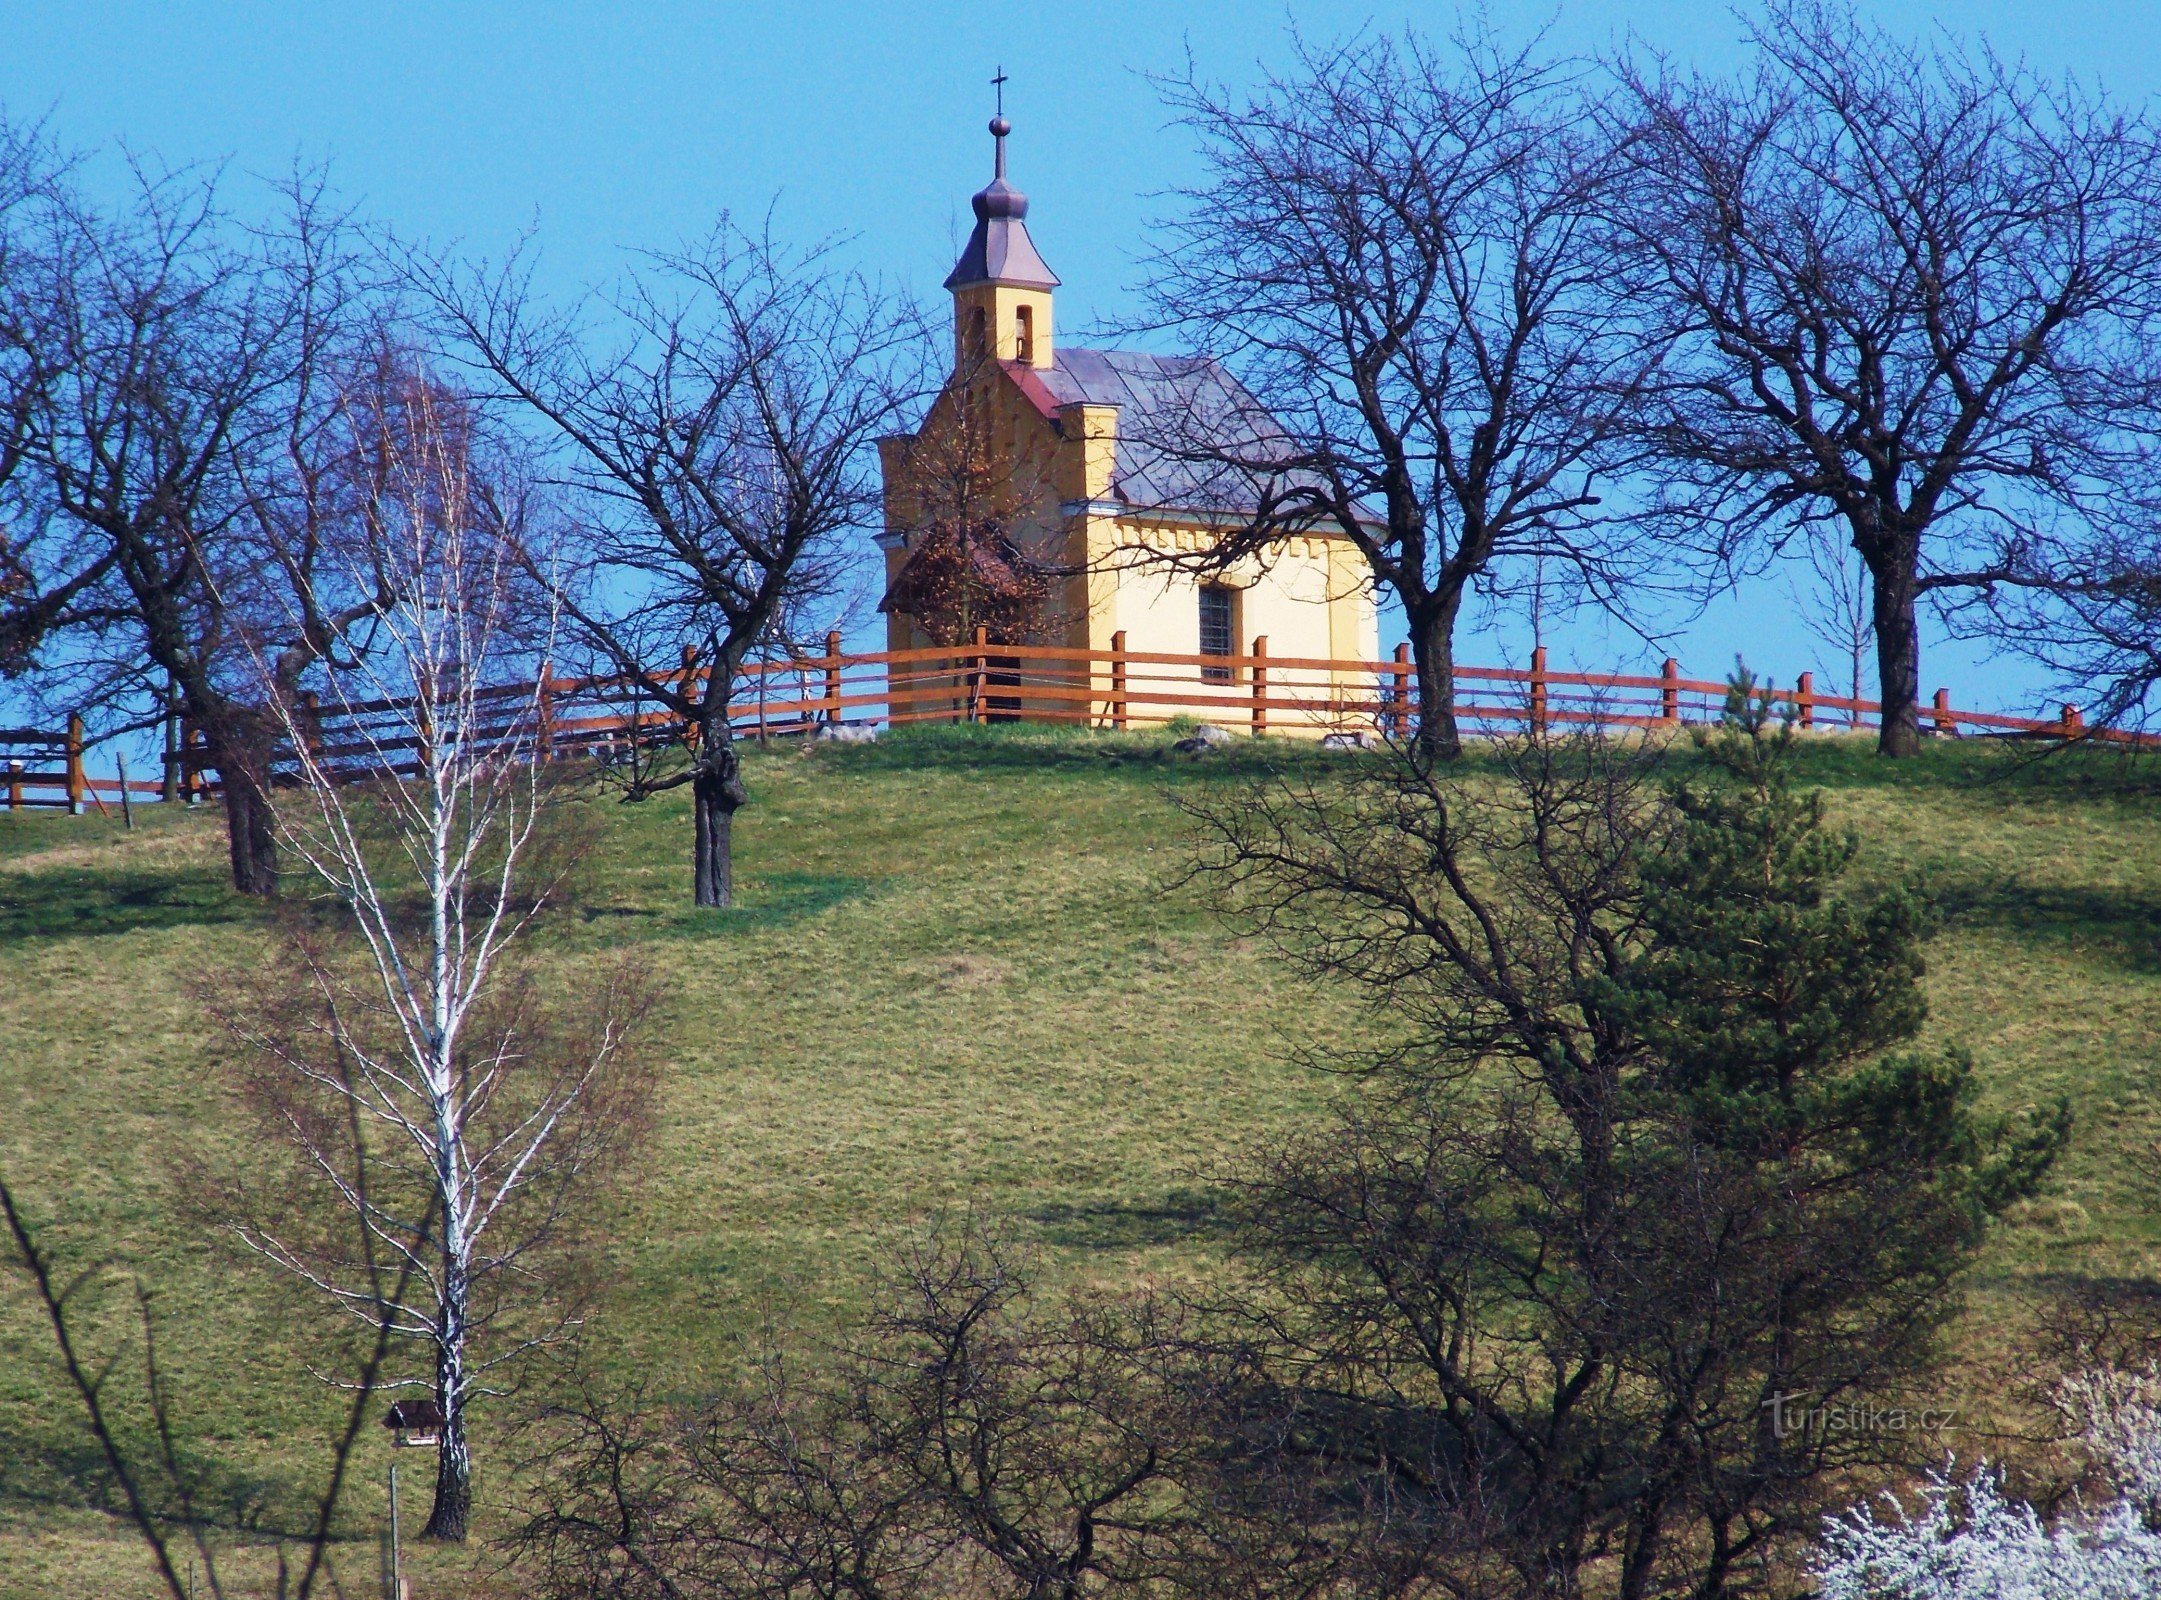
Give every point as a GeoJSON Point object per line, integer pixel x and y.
{"type": "Point", "coordinates": [999, 127]}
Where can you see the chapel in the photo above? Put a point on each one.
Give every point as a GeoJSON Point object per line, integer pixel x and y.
{"type": "Point", "coordinates": [1058, 496]}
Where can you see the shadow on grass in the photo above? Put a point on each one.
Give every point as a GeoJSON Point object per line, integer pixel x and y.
{"type": "Point", "coordinates": [762, 903]}
{"type": "Point", "coordinates": [1181, 1216]}
{"type": "Point", "coordinates": [2120, 925]}
{"type": "Point", "coordinates": [69, 1470]}
{"type": "Point", "coordinates": [76, 903]}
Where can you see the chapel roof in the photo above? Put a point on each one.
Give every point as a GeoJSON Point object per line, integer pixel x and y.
{"type": "Point", "coordinates": [999, 250]}
{"type": "Point", "coordinates": [1179, 417]}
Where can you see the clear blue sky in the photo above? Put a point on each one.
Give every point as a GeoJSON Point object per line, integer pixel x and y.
{"type": "Point", "coordinates": [607, 127]}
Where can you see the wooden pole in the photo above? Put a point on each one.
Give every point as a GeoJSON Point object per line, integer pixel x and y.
{"type": "Point", "coordinates": [1399, 694]}
{"type": "Point", "coordinates": [1946, 724]}
{"type": "Point", "coordinates": [2074, 721]}
{"type": "Point", "coordinates": [832, 678]}
{"type": "Point", "coordinates": [978, 672]}
{"type": "Point", "coordinates": [1538, 689]}
{"type": "Point", "coordinates": [1260, 684]}
{"type": "Point", "coordinates": [1804, 700]}
{"type": "Point", "coordinates": [1669, 691]}
{"type": "Point", "coordinates": [1118, 681]}
{"type": "Point", "coordinates": [75, 765]}
{"type": "Point", "coordinates": [15, 785]}
{"type": "Point", "coordinates": [127, 809]}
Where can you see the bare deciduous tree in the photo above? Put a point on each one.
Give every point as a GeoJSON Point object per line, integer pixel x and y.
{"type": "Point", "coordinates": [185, 384]}
{"type": "Point", "coordinates": [1396, 249]}
{"type": "Point", "coordinates": [158, 1489]}
{"type": "Point", "coordinates": [403, 1056]}
{"type": "Point", "coordinates": [1910, 293]}
{"type": "Point", "coordinates": [1838, 607]}
{"type": "Point", "coordinates": [964, 1442]}
{"type": "Point", "coordinates": [719, 452]}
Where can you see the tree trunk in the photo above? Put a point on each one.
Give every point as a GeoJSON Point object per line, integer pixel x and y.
{"type": "Point", "coordinates": [251, 838]}
{"type": "Point", "coordinates": [1433, 662]}
{"type": "Point", "coordinates": [717, 792]}
{"type": "Point", "coordinates": [1898, 654]}
{"type": "Point", "coordinates": [452, 1513]}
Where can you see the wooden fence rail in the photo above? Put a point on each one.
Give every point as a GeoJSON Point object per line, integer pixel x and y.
{"type": "Point", "coordinates": [604, 718]}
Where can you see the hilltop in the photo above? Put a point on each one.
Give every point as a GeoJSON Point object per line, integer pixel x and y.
{"type": "Point", "coordinates": [964, 973]}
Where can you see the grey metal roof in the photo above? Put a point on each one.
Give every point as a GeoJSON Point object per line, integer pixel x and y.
{"type": "Point", "coordinates": [1179, 417]}
{"type": "Point", "coordinates": [999, 250]}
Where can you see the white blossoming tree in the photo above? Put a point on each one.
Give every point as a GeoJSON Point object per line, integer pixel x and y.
{"type": "Point", "coordinates": [1966, 1539]}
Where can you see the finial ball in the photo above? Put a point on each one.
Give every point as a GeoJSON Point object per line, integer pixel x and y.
{"type": "Point", "coordinates": [999, 127]}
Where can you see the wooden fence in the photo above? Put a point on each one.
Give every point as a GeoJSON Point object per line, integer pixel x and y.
{"type": "Point", "coordinates": [41, 770]}
{"type": "Point", "coordinates": [604, 718]}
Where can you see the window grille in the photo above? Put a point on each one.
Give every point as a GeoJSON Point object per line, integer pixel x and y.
{"type": "Point", "coordinates": [1219, 629]}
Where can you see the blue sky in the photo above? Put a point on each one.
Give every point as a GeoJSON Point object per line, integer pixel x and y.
{"type": "Point", "coordinates": [606, 128]}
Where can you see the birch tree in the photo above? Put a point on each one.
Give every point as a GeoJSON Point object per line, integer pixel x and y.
{"type": "Point", "coordinates": [403, 1052]}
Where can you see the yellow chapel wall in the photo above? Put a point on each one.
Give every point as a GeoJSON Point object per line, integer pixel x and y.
{"type": "Point", "coordinates": [1309, 602]}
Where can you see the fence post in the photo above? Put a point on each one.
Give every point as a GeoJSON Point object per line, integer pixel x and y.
{"type": "Point", "coordinates": [1118, 681]}
{"type": "Point", "coordinates": [1538, 689]}
{"type": "Point", "coordinates": [1260, 684]}
{"type": "Point", "coordinates": [1669, 691]}
{"type": "Point", "coordinates": [832, 677]}
{"type": "Point", "coordinates": [1804, 700]}
{"type": "Point", "coordinates": [15, 785]}
{"type": "Point", "coordinates": [75, 764]}
{"type": "Point", "coordinates": [1399, 694]}
{"type": "Point", "coordinates": [2074, 721]}
{"type": "Point", "coordinates": [978, 672]}
{"type": "Point", "coordinates": [1946, 724]}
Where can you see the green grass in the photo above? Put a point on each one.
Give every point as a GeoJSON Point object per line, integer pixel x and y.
{"type": "Point", "coordinates": [963, 974]}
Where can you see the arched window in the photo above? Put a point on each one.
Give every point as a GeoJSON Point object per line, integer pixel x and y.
{"type": "Point", "coordinates": [978, 333]}
{"type": "Point", "coordinates": [1024, 335]}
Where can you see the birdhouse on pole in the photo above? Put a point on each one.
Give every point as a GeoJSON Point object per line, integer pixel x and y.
{"type": "Point", "coordinates": [414, 1422]}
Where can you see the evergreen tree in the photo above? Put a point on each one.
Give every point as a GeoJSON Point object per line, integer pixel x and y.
{"type": "Point", "coordinates": [1645, 1234]}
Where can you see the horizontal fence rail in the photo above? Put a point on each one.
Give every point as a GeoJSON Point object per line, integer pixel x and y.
{"type": "Point", "coordinates": [609, 718]}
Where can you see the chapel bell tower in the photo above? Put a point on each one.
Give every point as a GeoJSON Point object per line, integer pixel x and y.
{"type": "Point", "coordinates": [1001, 287]}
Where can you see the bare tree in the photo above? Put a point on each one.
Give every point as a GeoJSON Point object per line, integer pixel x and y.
{"type": "Point", "coordinates": [157, 1488]}
{"type": "Point", "coordinates": [1910, 293]}
{"type": "Point", "coordinates": [185, 381]}
{"type": "Point", "coordinates": [958, 501]}
{"type": "Point", "coordinates": [1839, 607]}
{"type": "Point", "coordinates": [2097, 626]}
{"type": "Point", "coordinates": [1396, 249]}
{"type": "Point", "coordinates": [406, 1060]}
{"type": "Point", "coordinates": [965, 1441]}
{"type": "Point", "coordinates": [718, 452]}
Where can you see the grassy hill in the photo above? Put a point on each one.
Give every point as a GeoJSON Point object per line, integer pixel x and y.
{"type": "Point", "coordinates": [963, 974]}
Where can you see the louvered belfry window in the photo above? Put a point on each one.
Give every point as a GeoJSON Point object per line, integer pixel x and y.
{"type": "Point", "coordinates": [1219, 629]}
